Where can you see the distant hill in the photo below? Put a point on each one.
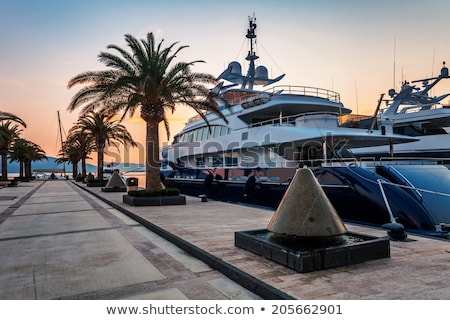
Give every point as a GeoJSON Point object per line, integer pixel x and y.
{"type": "Point", "coordinates": [50, 163]}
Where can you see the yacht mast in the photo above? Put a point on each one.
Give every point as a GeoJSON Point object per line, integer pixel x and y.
{"type": "Point", "coordinates": [255, 75]}
{"type": "Point", "coordinates": [251, 56]}
{"type": "Point", "coordinates": [62, 142]}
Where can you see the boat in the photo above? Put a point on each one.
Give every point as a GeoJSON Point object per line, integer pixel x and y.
{"type": "Point", "coordinates": [282, 127]}
{"type": "Point", "coordinates": [271, 132]}
{"type": "Point", "coordinates": [412, 111]}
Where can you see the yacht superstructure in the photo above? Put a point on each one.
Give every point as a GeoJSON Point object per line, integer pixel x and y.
{"type": "Point", "coordinates": [279, 127]}
{"type": "Point", "coordinates": [413, 111]}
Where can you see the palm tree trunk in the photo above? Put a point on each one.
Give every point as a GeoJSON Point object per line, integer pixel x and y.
{"type": "Point", "coordinates": [100, 156]}
{"type": "Point", "coordinates": [152, 177]}
{"type": "Point", "coordinates": [27, 167]}
{"type": "Point", "coordinates": [74, 170]}
{"type": "Point", "coordinates": [83, 167]}
{"type": "Point", "coordinates": [21, 168]}
{"type": "Point", "coordinates": [4, 165]}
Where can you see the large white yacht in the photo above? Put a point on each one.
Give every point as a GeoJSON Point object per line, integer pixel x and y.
{"type": "Point", "coordinates": [272, 131]}
{"type": "Point", "coordinates": [277, 127]}
{"type": "Point", "coordinates": [414, 112]}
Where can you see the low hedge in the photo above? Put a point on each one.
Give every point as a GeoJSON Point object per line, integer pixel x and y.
{"type": "Point", "coordinates": [155, 193]}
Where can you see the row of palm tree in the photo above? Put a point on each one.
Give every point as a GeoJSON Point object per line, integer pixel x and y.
{"type": "Point", "coordinates": [17, 148]}
{"type": "Point", "coordinates": [93, 132]}
{"type": "Point", "coordinates": [146, 79]}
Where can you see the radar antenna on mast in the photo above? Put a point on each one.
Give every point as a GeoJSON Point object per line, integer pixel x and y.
{"type": "Point", "coordinates": [255, 75]}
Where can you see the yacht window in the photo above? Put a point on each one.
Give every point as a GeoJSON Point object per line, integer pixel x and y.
{"type": "Point", "coordinates": [216, 131]}
{"type": "Point", "coordinates": [200, 162]}
{"type": "Point", "coordinates": [223, 130]}
{"type": "Point", "coordinates": [270, 156]}
{"type": "Point", "coordinates": [231, 159]}
{"type": "Point", "coordinates": [217, 161]}
{"type": "Point", "coordinates": [244, 136]}
{"type": "Point", "coordinates": [190, 136]}
{"type": "Point", "coordinates": [198, 134]}
{"type": "Point", "coordinates": [208, 132]}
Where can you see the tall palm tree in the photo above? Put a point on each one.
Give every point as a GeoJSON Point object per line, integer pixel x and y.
{"type": "Point", "coordinates": [103, 130]}
{"type": "Point", "coordinates": [18, 153]}
{"type": "Point", "coordinates": [70, 153]}
{"type": "Point", "coordinates": [9, 131]}
{"type": "Point", "coordinates": [147, 78]}
{"type": "Point", "coordinates": [77, 147]}
{"type": "Point", "coordinates": [25, 152]}
{"type": "Point", "coordinates": [4, 116]}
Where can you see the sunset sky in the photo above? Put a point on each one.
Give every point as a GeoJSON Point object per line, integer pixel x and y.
{"type": "Point", "coordinates": [357, 48]}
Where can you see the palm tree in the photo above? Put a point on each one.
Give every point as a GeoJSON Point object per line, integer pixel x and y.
{"type": "Point", "coordinates": [4, 116]}
{"type": "Point", "coordinates": [18, 153]}
{"type": "Point", "coordinates": [70, 153]}
{"type": "Point", "coordinates": [76, 148]}
{"type": "Point", "coordinates": [149, 79]}
{"type": "Point", "coordinates": [103, 130]}
{"type": "Point", "coordinates": [25, 152]}
{"type": "Point", "coordinates": [9, 131]}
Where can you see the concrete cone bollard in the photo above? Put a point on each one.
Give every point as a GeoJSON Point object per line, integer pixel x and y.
{"type": "Point", "coordinates": [305, 210]}
{"type": "Point", "coordinates": [115, 181]}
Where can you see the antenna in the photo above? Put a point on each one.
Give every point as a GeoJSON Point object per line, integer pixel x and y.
{"type": "Point", "coordinates": [395, 43]}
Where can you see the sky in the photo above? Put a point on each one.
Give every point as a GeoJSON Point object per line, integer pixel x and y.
{"type": "Point", "coordinates": [357, 48]}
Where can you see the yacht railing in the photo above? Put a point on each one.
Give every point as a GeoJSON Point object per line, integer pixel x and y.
{"type": "Point", "coordinates": [307, 91]}
{"type": "Point", "coordinates": [372, 162]}
{"type": "Point", "coordinates": [413, 160]}
{"type": "Point", "coordinates": [290, 120]}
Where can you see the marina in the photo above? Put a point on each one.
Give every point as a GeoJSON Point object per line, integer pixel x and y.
{"type": "Point", "coordinates": [271, 192]}
{"type": "Point", "coordinates": [251, 153]}
{"type": "Point", "coordinates": [81, 247]}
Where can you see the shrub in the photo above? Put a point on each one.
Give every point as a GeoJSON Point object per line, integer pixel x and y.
{"type": "Point", "coordinates": [155, 193]}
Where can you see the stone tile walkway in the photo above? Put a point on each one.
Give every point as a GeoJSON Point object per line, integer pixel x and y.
{"type": "Point", "coordinates": [417, 269]}
{"type": "Point", "coordinates": [59, 242]}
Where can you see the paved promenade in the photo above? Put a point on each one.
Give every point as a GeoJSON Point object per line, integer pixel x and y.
{"type": "Point", "coordinates": [58, 240]}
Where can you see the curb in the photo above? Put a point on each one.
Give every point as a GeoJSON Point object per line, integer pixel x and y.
{"type": "Point", "coordinates": [244, 279]}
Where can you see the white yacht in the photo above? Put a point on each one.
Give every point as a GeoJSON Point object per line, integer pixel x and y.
{"type": "Point", "coordinates": [270, 132]}
{"type": "Point", "coordinates": [274, 128]}
{"type": "Point", "coordinates": [414, 112]}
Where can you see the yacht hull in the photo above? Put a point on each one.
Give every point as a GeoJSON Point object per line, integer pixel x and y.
{"type": "Point", "coordinates": [354, 192]}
